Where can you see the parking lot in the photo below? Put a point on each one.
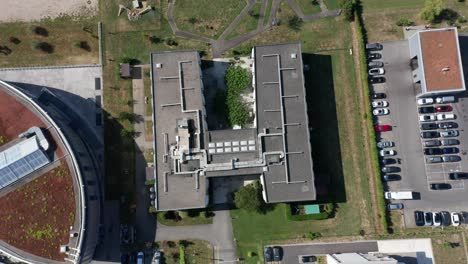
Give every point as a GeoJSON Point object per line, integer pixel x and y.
{"type": "Point", "coordinates": [416, 174]}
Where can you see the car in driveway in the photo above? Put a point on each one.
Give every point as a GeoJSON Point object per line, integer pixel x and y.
{"type": "Point", "coordinates": [464, 217]}
{"type": "Point", "coordinates": [428, 126]}
{"type": "Point", "coordinates": [440, 186]}
{"type": "Point", "coordinates": [426, 109]}
{"type": "Point", "coordinates": [435, 159]}
{"type": "Point", "coordinates": [268, 254]}
{"type": "Point", "coordinates": [427, 118]}
{"type": "Point", "coordinates": [376, 71]}
{"type": "Point", "coordinates": [431, 143]}
{"type": "Point", "coordinates": [378, 79]}
{"type": "Point", "coordinates": [375, 64]}
{"type": "Point", "coordinates": [446, 218]}
{"type": "Point", "coordinates": [374, 56]}
{"type": "Point", "coordinates": [307, 259]}
{"type": "Point", "coordinates": [388, 161]}
{"type": "Point", "coordinates": [391, 177]}
{"type": "Point", "coordinates": [449, 142]}
{"type": "Point", "coordinates": [455, 217]}
{"type": "Point", "coordinates": [445, 125]}
{"type": "Point", "coordinates": [450, 150]}
{"type": "Point", "coordinates": [425, 101]}
{"type": "Point", "coordinates": [445, 99]}
{"type": "Point", "coordinates": [390, 169]}
{"type": "Point", "coordinates": [380, 103]}
{"type": "Point", "coordinates": [458, 175]}
{"type": "Point", "coordinates": [428, 219]}
{"type": "Point", "coordinates": [380, 111]}
{"type": "Point", "coordinates": [449, 133]}
{"type": "Point", "coordinates": [451, 158]}
{"type": "Point", "coordinates": [374, 46]}
{"type": "Point", "coordinates": [444, 108]}
{"type": "Point", "coordinates": [379, 96]}
{"type": "Point", "coordinates": [277, 253]}
{"type": "Point", "coordinates": [385, 144]}
{"type": "Point", "coordinates": [436, 218]}
{"type": "Point", "coordinates": [445, 117]}
{"type": "Point", "coordinates": [395, 206]}
{"type": "Point", "coordinates": [387, 152]}
{"type": "Point", "coordinates": [432, 151]}
{"type": "Point", "coordinates": [419, 218]}
{"type": "Point", "coordinates": [430, 134]}
{"type": "Point", "coordinates": [383, 128]}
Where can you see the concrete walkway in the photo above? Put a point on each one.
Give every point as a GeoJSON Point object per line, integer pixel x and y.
{"type": "Point", "coordinates": [221, 44]}
{"type": "Point", "coordinates": [219, 234]}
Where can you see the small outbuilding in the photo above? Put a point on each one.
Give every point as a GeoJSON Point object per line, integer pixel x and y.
{"type": "Point", "coordinates": [125, 70]}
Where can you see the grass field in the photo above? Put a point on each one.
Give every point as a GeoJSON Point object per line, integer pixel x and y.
{"type": "Point", "coordinates": [205, 17]}
{"type": "Point", "coordinates": [248, 22]}
{"type": "Point", "coordinates": [308, 7]}
{"type": "Point", "coordinates": [332, 4]}
{"type": "Point", "coordinates": [267, 12]}
{"type": "Point", "coordinates": [61, 34]}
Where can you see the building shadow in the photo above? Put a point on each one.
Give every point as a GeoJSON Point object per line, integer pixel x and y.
{"type": "Point", "coordinates": [324, 132]}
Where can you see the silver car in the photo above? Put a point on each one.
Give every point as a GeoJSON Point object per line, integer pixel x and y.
{"type": "Point", "coordinates": [385, 144]}
{"type": "Point", "coordinates": [449, 142]}
{"type": "Point", "coordinates": [449, 133]}
{"type": "Point", "coordinates": [435, 159]}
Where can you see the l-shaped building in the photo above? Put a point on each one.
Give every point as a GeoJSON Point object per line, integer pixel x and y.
{"type": "Point", "coordinates": [187, 154]}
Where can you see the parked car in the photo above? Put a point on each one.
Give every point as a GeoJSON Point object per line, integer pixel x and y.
{"type": "Point", "coordinates": [445, 99]}
{"type": "Point", "coordinates": [390, 169]}
{"type": "Point", "coordinates": [395, 206]}
{"type": "Point", "coordinates": [391, 177]}
{"type": "Point", "coordinates": [277, 253]}
{"type": "Point", "coordinates": [455, 217]}
{"type": "Point", "coordinates": [431, 143]}
{"type": "Point", "coordinates": [425, 101]}
{"type": "Point", "coordinates": [446, 218]}
{"type": "Point", "coordinates": [380, 103]}
{"type": "Point", "coordinates": [385, 144]}
{"type": "Point", "coordinates": [419, 218]}
{"type": "Point", "coordinates": [268, 254]}
{"type": "Point", "coordinates": [430, 134]}
{"type": "Point", "coordinates": [376, 71]}
{"type": "Point", "coordinates": [374, 56]}
{"type": "Point", "coordinates": [464, 217]}
{"type": "Point", "coordinates": [451, 158]}
{"type": "Point", "coordinates": [444, 108]}
{"type": "Point", "coordinates": [378, 79]}
{"type": "Point", "coordinates": [449, 142]}
{"type": "Point", "coordinates": [387, 152]}
{"type": "Point", "coordinates": [445, 117]}
{"type": "Point", "coordinates": [440, 186]}
{"type": "Point", "coordinates": [140, 258]}
{"type": "Point", "coordinates": [379, 96]}
{"type": "Point", "coordinates": [380, 111]}
{"type": "Point", "coordinates": [427, 118]}
{"type": "Point", "coordinates": [428, 219]}
{"type": "Point", "coordinates": [432, 151]}
{"type": "Point", "coordinates": [435, 159]}
{"type": "Point", "coordinates": [426, 109]}
{"type": "Point", "coordinates": [428, 126]}
{"type": "Point", "coordinates": [449, 133]}
{"type": "Point", "coordinates": [388, 161]}
{"type": "Point", "coordinates": [375, 64]}
{"type": "Point", "coordinates": [374, 46]}
{"type": "Point", "coordinates": [307, 259]}
{"type": "Point", "coordinates": [436, 218]}
{"type": "Point", "coordinates": [450, 150]}
{"type": "Point", "coordinates": [382, 128]}
{"type": "Point", "coordinates": [445, 125]}
{"type": "Point", "coordinates": [458, 175]}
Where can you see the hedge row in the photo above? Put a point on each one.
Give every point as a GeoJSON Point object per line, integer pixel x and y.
{"type": "Point", "coordinates": [321, 216]}
{"type": "Point", "coordinates": [370, 128]}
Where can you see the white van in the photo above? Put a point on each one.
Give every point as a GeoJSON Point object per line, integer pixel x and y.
{"type": "Point", "coordinates": [445, 99]}
{"type": "Point", "coordinates": [140, 258]}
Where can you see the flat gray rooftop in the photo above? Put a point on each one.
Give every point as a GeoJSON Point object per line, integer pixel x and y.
{"type": "Point", "coordinates": [281, 109]}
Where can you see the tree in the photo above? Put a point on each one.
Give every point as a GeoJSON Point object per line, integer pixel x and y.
{"type": "Point", "coordinates": [249, 198]}
{"type": "Point", "coordinates": [295, 23]}
{"type": "Point", "coordinates": [193, 20]}
{"type": "Point", "coordinates": [347, 7]}
{"type": "Point", "coordinates": [431, 10]}
{"type": "Point", "coordinates": [126, 116]}
{"type": "Point", "coordinates": [404, 22]}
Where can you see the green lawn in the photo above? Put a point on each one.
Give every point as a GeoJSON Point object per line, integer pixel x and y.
{"type": "Point", "coordinates": [378, 5]}
{"type": "Point", "coordinates": [206, 17]}
{"type": "Point", "coordinates": [267, 12]}
{"type": "Point", "coordinates": [147, 87]}
{"type": "Point", "coordinates": [332, 4]}
{"type": "Point", "coordinates": [308, 7]}
{"type": "Point", "coordinates": [61, 34]}
{"type": "Point", "coordinates": [248, 23]}
{"type": "Point", "coordinates": [197, 251]}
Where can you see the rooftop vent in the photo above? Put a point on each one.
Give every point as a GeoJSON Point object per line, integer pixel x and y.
{"type": "Point", "coordinates": [293, 55]}
{"type": "Point", "coordinates": [445, 69]}
{"type": "Point", "coordinates": [158, 65]}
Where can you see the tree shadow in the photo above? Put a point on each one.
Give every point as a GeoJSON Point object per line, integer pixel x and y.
{"type": "Point", "coordinates": [41, 31]}
{"type": "Point", "coordinates": [448, 15]}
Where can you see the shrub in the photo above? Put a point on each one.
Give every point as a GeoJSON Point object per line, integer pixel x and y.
{"type": "Point", "coordinates": [82, 45]}
{"type": "Point", "coordinates": [347, 7]}
{"type": "Point", "coordinates": [154, 39]}
{"type": "Point", "coordinates": [193, 20]}
{"type": "Point", "coordinates": [14, 40]}
{"type": "Point", "coordinates": [313, 235]}
{"type": "Point", "coordinates": [461, 20]}
{"type": "Point", "coordinates": [295, 23]}
{"type": "Point", "coordinates": [249, 198]}
{"type": "Point", "coordinates": [251, 254]}
{"type": "Point", "coordinates": [41, 31]}
{"type": "Point", "coordinates": [181, 254]}
{"type": "Point", "coordinates": [171, 42]}
{"type": "Point", "coordinates": [42, 46]}
{"type": "Point", "coordinates": [237, 80]}
{"type": "Point", "coordinates": [404, 22]}
{"type": "Point", "coordinates": [431, 10]}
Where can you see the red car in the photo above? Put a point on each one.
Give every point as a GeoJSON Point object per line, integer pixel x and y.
{"type": "Point", "coordinates": [382, 128]}
{"type": "Point", "coordinates": [444, 108]}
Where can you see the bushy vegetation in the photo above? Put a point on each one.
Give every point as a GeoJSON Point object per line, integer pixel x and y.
{"type": "Point", "coordinates": [347, 8]}
{"type": "Point", "coordinates": [237, 80]}
{"type": "Point", "coordinates": [295, 23]}
{"type": "Point", "coordinates": [249, 198]}
{"type": "Point", "coordinates": [404, 22]}
{"type": "Point", "coordinates": [432, 10]}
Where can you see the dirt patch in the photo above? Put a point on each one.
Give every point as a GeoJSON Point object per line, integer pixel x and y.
{"type": "Point", "coordinates": [36, 217]}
